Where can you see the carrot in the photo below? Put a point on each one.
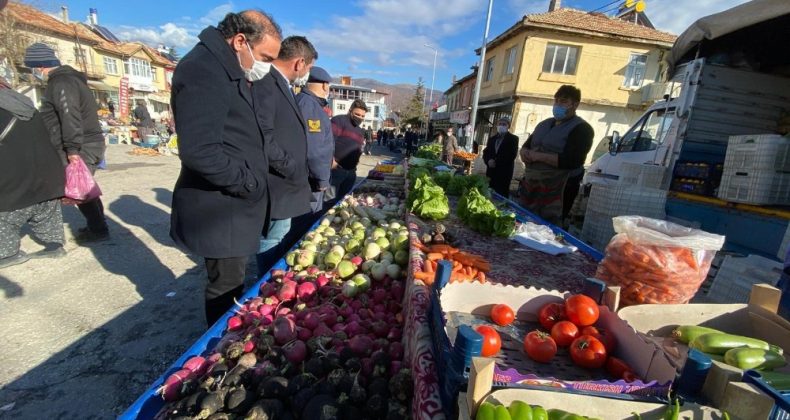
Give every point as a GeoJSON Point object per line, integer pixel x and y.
{"type": "Point", "coordinates": [481, 276]}
{"type": "Point", "coordinates": [421, 246]}
{"type": "Point", "coordinates": [426, 278]}
{"type": "Point", "coordinates": [434, 265]}
{"type": "Point", "coordinates": [427, 267]}
{"type": "Point", "coordinates": [458, 277]}
{"type": "Point", "coordinates": [435, 256]}
{"type": "Point", "coordinates": [442, 249]}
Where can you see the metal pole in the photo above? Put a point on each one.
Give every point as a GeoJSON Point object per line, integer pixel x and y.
{"type": "Point", "coordinates": [433, 78]}
{"type": "Point", "coordinates": [480, 70]}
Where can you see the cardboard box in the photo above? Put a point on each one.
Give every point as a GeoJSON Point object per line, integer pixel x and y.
{"type": "Point", "coordinates": [514, 368]}
{"type": "Point", "coordinates": [757, 319]}
{"type": "Point", "coordinates": [481, 386]}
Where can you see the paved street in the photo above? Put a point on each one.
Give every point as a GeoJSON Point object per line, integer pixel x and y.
{"type": "Point", "coordinates": [85, 335]}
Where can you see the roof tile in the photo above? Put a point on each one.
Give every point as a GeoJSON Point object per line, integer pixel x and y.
{"type": "Point", "coordinates": [597, 22]}
{"type": "Point", "coordinates": [31, 16]}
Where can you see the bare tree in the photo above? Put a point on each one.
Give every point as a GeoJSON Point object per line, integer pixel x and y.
{"type": "Point", "coordinates": [13, 43]}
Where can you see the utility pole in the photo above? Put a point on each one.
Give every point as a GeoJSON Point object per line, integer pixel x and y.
{"type": "Point", "coordinates": [480, 70]}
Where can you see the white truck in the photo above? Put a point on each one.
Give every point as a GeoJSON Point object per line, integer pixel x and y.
{"type": "Point", "coordinates": [731, 74]}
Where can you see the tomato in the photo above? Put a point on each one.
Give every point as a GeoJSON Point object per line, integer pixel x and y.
{"type": "Point", "coordinates": [502, 315]}
{"type": "Point", "coordinates": [564, 332]}
{"type": "Point", "coordinates": [550, 314]}
{"type": "Point", "coordinates": [581, 310]}
{"type": "Point", "coordinates": [491, 341]}
{"type": "Point", "coordinates": [617, 367]}
{"type": "Point", "coordinates": [605, 336]}
{"type": "Point", "coordinates": [539, 346]}
{"type": "Point", "coordinates": [588, 352]}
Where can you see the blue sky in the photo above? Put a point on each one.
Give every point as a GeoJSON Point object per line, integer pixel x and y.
{"type": "Point", "coordinates": [380, 39]}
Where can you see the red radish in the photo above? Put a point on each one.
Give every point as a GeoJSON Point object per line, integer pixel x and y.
{"type": "Point", "coordinates": [283, 311]}
{"type": "Point", "coordinates": [304, 334]}
{"type": "Point", "coordinates": [214, 357]}
{"type": "Point", "coordinates": [268, 289]}
{"type": "Point", "coordinates": [235, 323]}
{"type": "Point", "coordinates": [361, 345]}
{"type": "Point", "coordinates": [251, 317]}
{"type": "Point", "coordinates": [197, 365]}
{"type": "Point", "coordinates": [322, 280]}
{"type": "Point", "coordinates": [356, 260]}
{"type": "Point", "coordinates": [346, 311]}
{"type": "Point", "coordinates": [306, 291]}
{"type": "Point", "coordinates": [396, 350]}
{"type": "Point", "coordinates": [394, 334]}
{"type": "Point", "coordinates": [311, 320]}
{"type": "Point", "coordinates": [329, 318]}
{"type": "Point", "coordinates": [267, 320]}
{"type": "Point", "coordinates": [277, 273]}
{"type": "Point", "coordinates": [322, 329]}
{"type": "Point", "coordinates": [287, 291]}
{"type": "Point", "coordinates": [249, 346]}
{"type": "Point", "coordinates": [265, 309]}
{"type": "Point", "coordinates": [395, 367]}
{"type": "Point", "coordinates": [380, 295]}
{"type": "Point", "coordinates": [284, 330]}
{"type": "Point", "coordinates": [171, 389]}
{"type": "Point", "coordinates": [312, 270]}
{"type": "Point", "coordinates": [271, 300]}
{"type": "Point", "coordinates": [295, 352]}
{"type": "Point", "coordinates": [380, 328]}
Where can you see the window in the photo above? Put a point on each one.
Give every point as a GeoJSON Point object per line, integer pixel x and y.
{"type": "Point", "coordinates": [489, 69]}
{"type": "Point", "coordinates": [138, 67]}
{"type": "Point", "coordinates": [510, 65]}
{"type": "Point", "coordinates": [80, 57]}
{"type": "Point", "coordinates": [153, 73]}
{"type": "Point", "coordinates": [376, 112]}
{"type": "Point", "coordinates": [110, 65]}
{"type": "Point", "coordinates": [648, 133]}
{"type": "Point", "coordinates": [635, 72]}
{"type": "Point", "coordinates": [341, 107]}
{"type": "Point", "coordinates": [560, 59]}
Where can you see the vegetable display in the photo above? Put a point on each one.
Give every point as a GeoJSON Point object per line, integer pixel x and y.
{"type": "Point", "coordinates": [427, 200]}
{"type": "Point", "coordinates": [735, 350]}
{"type": "Point", "coordinates": [480, 214]}
{"type": "Point", "coordinates": [466, 267]}
{"type": "Point", "coordinates": [463, 155]}
{"type": "Point", "coordinates": [520, 410]}
{"type": "Point", "coordinates": [323, 339]}
{"type": "Point", "coordinates": [429, 151]}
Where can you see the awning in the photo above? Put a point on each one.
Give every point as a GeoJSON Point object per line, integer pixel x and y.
{"type": "Point", "coordinates": [496, 104]}
{"type": "Point", "coordinates": [723, 23]}
{"type": "Point", "coordinates": [95, 85]}
{"type": "Point", "coordinates": [162, 99]}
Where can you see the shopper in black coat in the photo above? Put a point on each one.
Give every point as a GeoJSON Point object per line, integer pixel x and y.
{"type": "Point", "coordinates": [220, 199]}
{"type": "Point", "coordinates": [500, 156]}
{"type": "Point", "coordinates": [283, 125]}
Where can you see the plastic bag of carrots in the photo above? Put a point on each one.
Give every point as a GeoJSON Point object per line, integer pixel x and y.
{"type": "Point", "coordinates": [654, 261]}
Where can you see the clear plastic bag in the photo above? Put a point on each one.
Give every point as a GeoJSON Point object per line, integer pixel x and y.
{"type": "Point", "coordinates": [80, 185]}
{"type": "Point", "coordinates": [655, 261]}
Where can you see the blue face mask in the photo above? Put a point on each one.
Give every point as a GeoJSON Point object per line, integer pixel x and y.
{"type": "Point", "coordinates": [559, 111]}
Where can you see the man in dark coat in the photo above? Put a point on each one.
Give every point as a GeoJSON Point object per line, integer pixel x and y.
{"type": "Point", "coordinates": [349, 141]}
{"type": "Point", "coordinates": [71, 116]}
{"type": "Point", "coordinates": [32, 181]}
{"type": "Point", "coordinates": [500, 156]}
{"type": "Point", "coordinates": [220, 200]}
{"type": "Point", "coordinates": [282, 123]}
{"type": "Point", "coordinates": [143, 121]}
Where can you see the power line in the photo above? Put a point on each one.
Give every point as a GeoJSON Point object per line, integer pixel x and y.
{"type": "Point", "coordinates": [606, 5]}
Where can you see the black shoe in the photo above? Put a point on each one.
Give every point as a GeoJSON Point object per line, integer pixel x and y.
{"type": "Point", "coordinates": [55, 252]}
{"type": "Point", "coordinates": [19, 258]}
{"type": "Point", "coordinates": [90, 236]}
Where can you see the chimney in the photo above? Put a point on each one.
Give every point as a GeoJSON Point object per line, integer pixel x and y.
{"type": "Point", "coordinates": [453, 79]}
{"type": "Point", "coordinates": [64, 14]}
{"type": "Point", "coordinates": [345, 80]}
{"type": "Point", "coordinates": [93, 16]}
{"type": "Point", "coordinates": [555, 5]}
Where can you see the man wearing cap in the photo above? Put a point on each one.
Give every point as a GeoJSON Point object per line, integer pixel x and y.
{"type": "Point", "coordinates": [500, 156]}
{"type": "Point", "coordinates": [312, 101]}
{"type": "Point", "coordinates": [71, 115]}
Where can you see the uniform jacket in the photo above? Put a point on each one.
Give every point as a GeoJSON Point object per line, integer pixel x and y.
{"type": "Point", "coordinates": [220, 200]}
{"type": "Point", "coordinates": [504, 159]}
{"type": "Point", "coordinates": [284, 127]}
{"type": "Point", "coordinates": [70, 114]}
{"type": "Point", "coordinates": [320, 142]}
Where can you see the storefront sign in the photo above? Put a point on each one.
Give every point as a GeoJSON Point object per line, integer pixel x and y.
{"type": "Point", "coordinates": [459, 117]}
{"type": "Point", "coordinates": [123, 96]}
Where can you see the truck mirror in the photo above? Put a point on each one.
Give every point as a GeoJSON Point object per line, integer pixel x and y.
{"type": "Point", "coordinates": [614, 142]}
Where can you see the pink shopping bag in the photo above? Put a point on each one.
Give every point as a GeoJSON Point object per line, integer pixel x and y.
{"type": "Point", "coordinates": [80, 185]}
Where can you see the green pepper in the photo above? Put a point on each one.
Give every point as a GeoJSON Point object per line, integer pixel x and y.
{"type": "Point", "coordinates": [485, 412]}
{"type": "Point", "coordinates": [719, 343]}
{"type": "Point", "coordinates": [673, 411]}
{"type": "Point", "coordinates": [501, 413]}
{"type": "Point", "coordinates": [725, 416]}
{"type": "Point", "coordinates": [539, 413]}
{"type": "Point", "coordinates": [746, 358]}
{"type": "Point", "coordinates": [687, 333]}
{"type": "Point", "coordinates": [557, 414]}
{"type": "Point", "coordinates": [519, 410]}
{"type": "Point", "coordinates": [780, 381]}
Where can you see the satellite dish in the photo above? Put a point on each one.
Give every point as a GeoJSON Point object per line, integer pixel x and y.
{"type": "Point", "coordinates": [640, 6]}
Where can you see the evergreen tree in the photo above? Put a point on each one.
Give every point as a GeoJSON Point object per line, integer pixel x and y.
{"type": "Point", "coordinates": [414, 114]}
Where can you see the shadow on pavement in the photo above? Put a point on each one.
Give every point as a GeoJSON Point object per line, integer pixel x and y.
{"type": "Point", "coordinates": [104, 371]}
{"type": "Point", "coordinates": [10, 288]}
{"type": "Point", "coordinates": [134, 211]}
{"type": "Point", "coordinates": [164, 196]}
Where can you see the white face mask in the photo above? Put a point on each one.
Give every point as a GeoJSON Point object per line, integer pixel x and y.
{"type": "Point", "coordinates": [259, 68]}
{"type": "Point", "coordinates": [301, 81]}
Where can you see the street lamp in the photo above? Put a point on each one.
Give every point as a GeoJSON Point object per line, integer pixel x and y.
{"type": "Point", "coordinates": [433, 78]}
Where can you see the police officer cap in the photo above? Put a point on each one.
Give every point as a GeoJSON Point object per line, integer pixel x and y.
{"type": "Point", "coordinates": [319, 75]}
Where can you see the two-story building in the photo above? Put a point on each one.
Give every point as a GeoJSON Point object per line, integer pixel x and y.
{"type": "Point", "coordinates": [459, 105]}
{"type": "Point", "coordinates": [342, 95]}
{"type": "Point", "coordinates": [610, 60]}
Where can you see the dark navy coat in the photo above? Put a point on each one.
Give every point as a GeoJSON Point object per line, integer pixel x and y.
{"type": "Point", "coordinates": [320, 142]}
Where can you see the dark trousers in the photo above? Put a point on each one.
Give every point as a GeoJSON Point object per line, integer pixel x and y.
{"type": "Point", "coordinates": [342, 181]}
{"type": "Point", "coordinates": [225, 283]}
{"type": "Point", "coordinates": [569, 194]}
{"type": "Point", "coordinates": [94, 215]}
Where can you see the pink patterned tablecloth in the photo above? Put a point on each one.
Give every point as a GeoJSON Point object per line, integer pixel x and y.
{"type": "Point", "coordinates": [511, 264]}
